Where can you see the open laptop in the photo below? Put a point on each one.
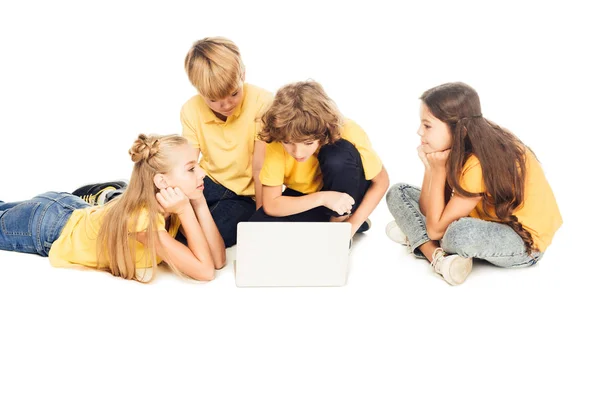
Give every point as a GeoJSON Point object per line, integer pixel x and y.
{"type": "Point", "coordinates": [292, 253]}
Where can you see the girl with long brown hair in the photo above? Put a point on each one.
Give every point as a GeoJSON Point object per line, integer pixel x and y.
{"type": "Point", "coordinates": [132, 234]}
{"type": "Point", "coordinates": [484, 194]}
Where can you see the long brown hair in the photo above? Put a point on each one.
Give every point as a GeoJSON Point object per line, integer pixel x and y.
{"type": "Point", "coordinates": [116, 245]}
{"type": "Point", "coordinates": [501, 154]}
{"type": "Point", "coordinates": [302, 111]}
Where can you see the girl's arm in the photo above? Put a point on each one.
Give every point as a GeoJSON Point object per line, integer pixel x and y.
{"type": "Point", "coordinates": [379, 185]}
{"type": "Point", "coordinates": [425, 187]}
{"type": "Point", "coordinates": [194, 260]}
{"type": "Point", "coordinates": [440, 214]}
{"type": "Point", "coordinates": [211, 232]}
{"type": "Point", "coordinates": [277, 205]}
{"type": "Point", "coordinates": [258, 158]}
{"type": "Point", "coordinates": [426, 180]}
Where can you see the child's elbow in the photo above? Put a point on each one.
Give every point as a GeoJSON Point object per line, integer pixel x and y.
{"type": "Point", "coordinates": [204, 271]}
{"type": "Point", "coordinates": [221, 262]}
{"type": "Point", "coordinates": [382, 179]}
{"type": "Point", "coordinates": [206, 276]}
{"type": "Point", "coordinates": [269, 208]}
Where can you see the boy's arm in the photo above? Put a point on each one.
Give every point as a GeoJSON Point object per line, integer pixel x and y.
{"type": "Point", "coordinates": [277, 205]}
{"type": "Point", "coordinates": [378, 188]}
{"type": "Point", "coordinates": [258, 158]}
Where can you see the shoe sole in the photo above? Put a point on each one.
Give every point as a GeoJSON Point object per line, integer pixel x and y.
{"type": "Point", "coordinates": [458, 271]}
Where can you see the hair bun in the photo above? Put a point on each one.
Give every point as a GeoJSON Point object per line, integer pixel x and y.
{"type": "Point", "coordinates": [144, 148]}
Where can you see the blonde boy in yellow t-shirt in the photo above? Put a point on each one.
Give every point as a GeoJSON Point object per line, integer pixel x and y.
{"type": "Point", "coordinates": [222, 123]}
{"type": "Point", "coordinates": [326, 162]}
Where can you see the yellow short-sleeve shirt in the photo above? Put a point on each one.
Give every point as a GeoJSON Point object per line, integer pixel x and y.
{"type": "Point", "coordinates": [76, 244]}
{"type": "Point", "coordinates": [539, 213]}
{"type": "Point", "coordinates": [280, 168]}
{"type": "Point", "coordinates": [226, 147]}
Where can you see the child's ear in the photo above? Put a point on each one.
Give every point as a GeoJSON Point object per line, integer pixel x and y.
{"type": "Point", "coordinates": [160, 181]}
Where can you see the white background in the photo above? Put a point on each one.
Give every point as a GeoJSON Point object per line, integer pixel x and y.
{"type": "Point", "coordinates": [79, 81]}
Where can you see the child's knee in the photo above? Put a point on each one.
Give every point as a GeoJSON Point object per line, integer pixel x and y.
{"type": "Point", "coordinates": [459, 238]}
{"type": "Point", "coordinates": [396, 193]}
{"type": "Point", "coordinates": [338, 157]}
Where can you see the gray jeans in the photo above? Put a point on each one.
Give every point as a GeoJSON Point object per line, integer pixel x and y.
{"type": "Point", "coordinates": [468, 237]}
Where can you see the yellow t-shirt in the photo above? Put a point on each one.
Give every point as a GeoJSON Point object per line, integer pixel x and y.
{"type": "Point", "coordinates": [76, 244]}
{"type": "Point", "coordinates": [227, 146]}
{"type": "Point", "coordinates": [539, 212]}
{"type": "Point", "coordinates": [280, 168]}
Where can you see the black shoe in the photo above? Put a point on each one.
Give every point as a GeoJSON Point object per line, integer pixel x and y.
{"type": "Point", "coordinates": [96, 194]}
{"type": "Point", "coordinates": [365, 226]}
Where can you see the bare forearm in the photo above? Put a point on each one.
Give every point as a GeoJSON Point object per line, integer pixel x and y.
{"type": "Point", "coordinates": [196, 239]}
{"type": "Point", "coordinates": [435, 203]}
{"type": "Point", "coordinates": [283, 206]}
{"type": "Point", "coordinates": [211, 233]}
{"type": "Point", "coordinates": [425, 191]}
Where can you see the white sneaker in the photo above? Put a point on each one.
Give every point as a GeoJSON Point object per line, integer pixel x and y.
{"type": "Point", "coordinates": [393, 231]}
{"type": "Point", "coordinates": [453, 268]}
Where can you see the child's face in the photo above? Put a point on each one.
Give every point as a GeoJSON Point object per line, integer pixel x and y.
{"type": "Point", "coordinates": [435, 134]}
{"type": "Point", "coordinates": [186, 174]}
{"type": "Point", "coordinates": [227, 105]}
{"type": "Point", "coordinates": [301, 151]}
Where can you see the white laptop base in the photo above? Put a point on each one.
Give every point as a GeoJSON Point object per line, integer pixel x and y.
{"type": "Point", "coordinates": [292, 253]}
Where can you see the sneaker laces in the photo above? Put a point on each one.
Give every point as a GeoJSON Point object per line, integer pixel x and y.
{"type": "Point", "coordinates": [437, 257]}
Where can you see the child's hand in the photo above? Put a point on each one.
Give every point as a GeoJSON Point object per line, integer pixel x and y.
{"type": "Point", "coordinates": [437, 160]}
{"type": "Point", "coordinates": [339, 202]}
{"type": "Point", "coordinates": [172, 200]}
{"type": "Point", "coordinates": [423, 156]}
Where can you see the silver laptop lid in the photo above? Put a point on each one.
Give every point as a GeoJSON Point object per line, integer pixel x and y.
{"type": "Point", "coordinates": [292, 253]}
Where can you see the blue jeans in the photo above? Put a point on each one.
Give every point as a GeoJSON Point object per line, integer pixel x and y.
{"type": "Point", "coordinates": [342, 170]}
{"type": "Point", "coordinates": [494, 242]}
{"type": "Point", "coordinates": [32, 226]}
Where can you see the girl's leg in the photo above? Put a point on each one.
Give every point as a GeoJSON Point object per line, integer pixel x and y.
{"type": "Point", "coordinates": [32, 226]}
{"type": "Point", "coordinates": [5, 206]}
{"type": "Point", "coordinates": [494, 242]}
{"type": "Point", "coordinates": [403, 202]}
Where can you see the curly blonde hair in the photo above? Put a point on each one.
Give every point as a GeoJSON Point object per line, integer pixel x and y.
{"type": "Point", "coordinates": [301, 111]}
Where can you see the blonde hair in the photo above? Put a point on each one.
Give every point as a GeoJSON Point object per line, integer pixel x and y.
{"type": "Point", "coordinates": [302, 111]}
{"type": "Point", "coordinates": [116, 244]}
{"type": "Point", "coordinates": [214, 66]}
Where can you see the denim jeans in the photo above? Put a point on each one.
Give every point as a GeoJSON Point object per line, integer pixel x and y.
{"type": "Point", "coordinates": [342, 170]}
{"type": "Point", "coordinates": [494, 242]}
{"type": "Point", "coordinates": [227, 209]}
{"type": "Point", "coordinates": [32, 226]}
